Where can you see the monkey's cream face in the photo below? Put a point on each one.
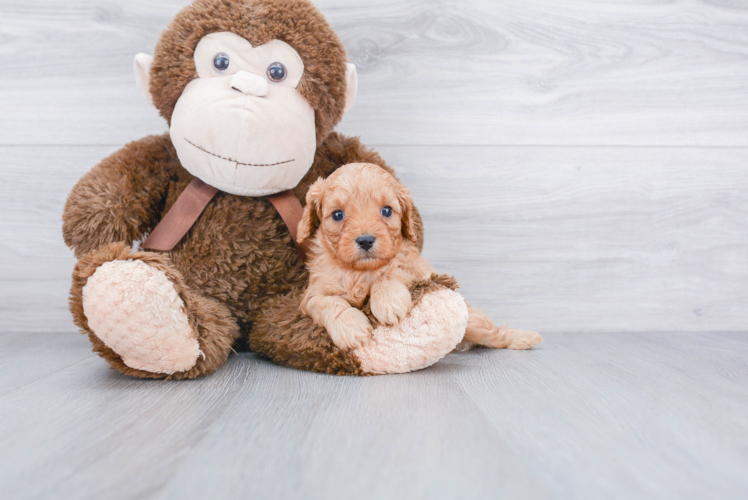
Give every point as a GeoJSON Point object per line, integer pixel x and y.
{"type": "Point", "coordinates": [242, 126]}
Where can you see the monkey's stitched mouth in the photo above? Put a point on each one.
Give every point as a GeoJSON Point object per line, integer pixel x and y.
{"type": "Point", "coordinates": [236, 161]}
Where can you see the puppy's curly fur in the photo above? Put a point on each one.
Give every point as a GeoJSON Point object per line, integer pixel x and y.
{"type": "Point", "coordinates": [364, 248]}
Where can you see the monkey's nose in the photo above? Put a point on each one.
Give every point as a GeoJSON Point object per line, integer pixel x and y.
{"type": "Point", "coordinates": [366, 241]}
{"type": "Point", "coordinates": [249, 83]}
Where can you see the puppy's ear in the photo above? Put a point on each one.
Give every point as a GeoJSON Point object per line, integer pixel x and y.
{"type": "Point", "coordinates": [310, 218]}
{"type": "Point", "coordinates": [408, 222]}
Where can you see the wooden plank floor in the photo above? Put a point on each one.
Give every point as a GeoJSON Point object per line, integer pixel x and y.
{"type": "Point", "coordinates": [582, 416]}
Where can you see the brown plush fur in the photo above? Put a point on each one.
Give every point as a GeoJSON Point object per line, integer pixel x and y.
{"type": "Point", "coordinates": [289, 337]}
{"type": "Point", "coordinates": [239, 254]}
{"type": "Point", "coordinates": [296, 22]}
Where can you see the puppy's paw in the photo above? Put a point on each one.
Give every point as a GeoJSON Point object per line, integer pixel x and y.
{"type": "Point", "coordinates": [464, 346]}
{"type": "Point", "coordinates": [390, 302]}
{"type": "Point", "coordinates": [524, 339]}
{"type": "Point", "coordinates": [351, 329]}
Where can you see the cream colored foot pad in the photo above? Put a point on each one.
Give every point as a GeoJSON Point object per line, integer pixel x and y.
{"type": "Point", "coordinates": [135, 310]}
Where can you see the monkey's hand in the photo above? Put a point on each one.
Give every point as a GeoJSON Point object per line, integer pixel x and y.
{"type": "Point", "coordinates": [390, 301]}
{"type": "Point", "coordinates": [351, 329]}
{"type": "Point", "coordinates": [120, 198]}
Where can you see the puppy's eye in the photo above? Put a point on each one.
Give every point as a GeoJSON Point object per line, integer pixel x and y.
{"type": "Point", "coordinates": [221, 62]}
{"type": "Point", "coordinates": [277, 72]}
{"type": "Point", "coordinates": [387, 211]}
{"type": "Point", "coordinates": [338, 215]}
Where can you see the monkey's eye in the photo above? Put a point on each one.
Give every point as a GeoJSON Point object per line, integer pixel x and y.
{"type": "Point", "coordinates": [338, 215]}
{"type": "Point", "coordinates": [386, 211]}
{"type": "Point", "coordinates": [221, 62]}
{"type": "Point", "coordinates": [277, 72]}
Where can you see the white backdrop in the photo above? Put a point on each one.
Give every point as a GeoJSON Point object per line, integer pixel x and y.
{"type": "Point", "coordinates": [580, 165]}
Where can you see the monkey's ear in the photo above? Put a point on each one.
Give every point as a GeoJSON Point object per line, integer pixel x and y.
{"type": "Point", "coordinates": [143, 75]}
{"type": "Point", "coordinates": [351, 89]}
{"type": "Point", "coordinates": [310, 217]}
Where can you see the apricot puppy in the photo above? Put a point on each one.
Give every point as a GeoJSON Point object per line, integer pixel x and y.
{"type": "Point", "coordinates": [364, 245]}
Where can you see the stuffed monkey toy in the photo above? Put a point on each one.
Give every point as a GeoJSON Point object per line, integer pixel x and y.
{"type": "Point", "coordinates": [185, 241]}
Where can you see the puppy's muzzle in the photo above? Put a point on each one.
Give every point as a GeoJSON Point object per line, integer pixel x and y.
{"type": "Point", "coordinates": [365, 242]}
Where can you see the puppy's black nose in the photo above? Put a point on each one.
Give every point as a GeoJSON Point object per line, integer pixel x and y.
{"type": "Point", "coordinates": [366, 241]}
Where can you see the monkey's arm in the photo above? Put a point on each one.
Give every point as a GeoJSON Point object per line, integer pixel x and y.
{"type": "Point", "coordinates": [120, 198]}
{"type": "Point", "coordinates": [339, 150]}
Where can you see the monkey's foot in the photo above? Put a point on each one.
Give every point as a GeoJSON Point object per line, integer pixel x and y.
{"type": "Point", "coordinates": [431, 330]}
{"type": "Point", "coordinates": [135, 310]}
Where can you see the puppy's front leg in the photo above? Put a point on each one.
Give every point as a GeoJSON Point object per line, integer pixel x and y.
{"type": "Point", "coordinates": [347, 326]}
{"type": "Point", "coordinates": [390, 301]}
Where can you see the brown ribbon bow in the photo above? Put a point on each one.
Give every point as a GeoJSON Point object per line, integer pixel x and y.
{"type": "Point", "coordinates": [193, 200]}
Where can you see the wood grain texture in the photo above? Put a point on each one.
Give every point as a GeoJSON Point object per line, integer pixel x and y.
{"type": "Point", "coordinates": [590, 239]}
{"type": "Point", "coordinates": [450, 72]}
{"type": "Point", "coordinates": [581, 416]}
{"type": "Point", "coordinates": [554, 239]}
{"type": "Point", "coordinates": [36, 267]}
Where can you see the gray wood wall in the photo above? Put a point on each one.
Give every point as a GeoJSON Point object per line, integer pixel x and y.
{"type": "Point", "coordinates": [581, 165]}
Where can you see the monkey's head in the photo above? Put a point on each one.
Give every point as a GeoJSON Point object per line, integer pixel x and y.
{"type": "Point", "coordinates": [249, 89]}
